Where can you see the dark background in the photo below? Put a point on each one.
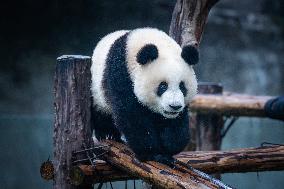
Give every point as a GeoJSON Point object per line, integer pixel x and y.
{"type": "Point", "coordinates": [242, 48]}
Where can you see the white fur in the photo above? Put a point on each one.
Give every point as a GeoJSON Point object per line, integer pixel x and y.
{"type": "Point", "coordinates": [97, 69]}
{"type": "Point", "coordinates": [169, 67]}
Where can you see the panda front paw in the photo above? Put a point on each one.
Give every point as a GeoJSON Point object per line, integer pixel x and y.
{"type": "Point", "coordinates": [145, 157]}
{"type": "Point", "coordinates": [167, 160]}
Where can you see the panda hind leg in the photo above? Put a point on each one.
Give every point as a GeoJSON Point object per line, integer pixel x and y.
{"type": "Point", "coordinates": [103, 126]}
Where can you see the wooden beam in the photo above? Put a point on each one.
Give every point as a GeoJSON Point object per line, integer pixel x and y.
{"type": "Point", "coordinates": [269, 158]}
{"type": "Point", "coordinates": [230, 104]}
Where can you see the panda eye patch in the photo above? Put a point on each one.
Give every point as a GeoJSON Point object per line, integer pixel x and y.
{"type": "Point", "coordinates": [162, 88]}
{"type": "Point", "coordinates": [183, 88]}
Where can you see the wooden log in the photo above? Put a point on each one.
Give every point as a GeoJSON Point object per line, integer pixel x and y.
{"type": "Point", "coordinates": [230, 104]}
{"type": "Point", "coordinates": [159, 175]}
{"type": "Point", "coordinates": [72, 114]}
{"type": "Point", "coordinates": [188, 20]}
{"type": "Point", "coordinates": [269, 158]}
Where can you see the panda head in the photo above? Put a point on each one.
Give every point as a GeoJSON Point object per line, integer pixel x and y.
{"type": "Point", "coordinates": [161, 71]}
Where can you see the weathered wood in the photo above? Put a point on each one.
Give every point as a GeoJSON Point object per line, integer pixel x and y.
{"type": "Point", "coordinates": [230, 104]}
{"type": "Point", "coordinates": [269, 158]}
{"type": "Point", "coordinates": [188, 20]}
{"type": "Point", "coordinates": [72, 114]}
{"type": "Point", "coordinates": [160, 175]}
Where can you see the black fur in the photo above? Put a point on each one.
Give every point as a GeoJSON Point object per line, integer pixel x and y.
{"type": "Point", "coordinates": [190, 54]}
{"type": "Point", "coordinates": [274, 108]}
{"type": "Point", "coordinates": [148, 53]}
{"type": "Point", "coordinates": [183, 88]}
{"type": "Point", "coordinates": [103, 126]}
{"type": "Point", "coordinates": [162, 88]}
{"type": "Point", "coordinates": [148, 134]}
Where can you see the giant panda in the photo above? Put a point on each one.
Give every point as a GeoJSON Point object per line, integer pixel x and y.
{"type": "Point", "coordinates": [142, 83]}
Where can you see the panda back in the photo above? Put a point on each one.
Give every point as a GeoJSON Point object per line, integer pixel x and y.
{"type": "Point", "coordinates": [97, 69]}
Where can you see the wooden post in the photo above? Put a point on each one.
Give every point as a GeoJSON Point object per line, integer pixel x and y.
{"type": "Point", "coordinates": [72, 114]}
{"type": "Point", "coordinates": [208, 126]}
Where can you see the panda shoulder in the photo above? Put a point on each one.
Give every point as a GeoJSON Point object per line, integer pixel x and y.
{"type": "Point", "coordinates": [105, 43]}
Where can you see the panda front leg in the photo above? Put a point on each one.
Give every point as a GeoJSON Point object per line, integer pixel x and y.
{"type": "Point", "coordinates": [175, 136]}
{"type": "Point", "coordinates": [140, 135]}
{"type": "Point", "coordinates": [174, 139]}
{"type": "Point", "coordinates": [103, 126]}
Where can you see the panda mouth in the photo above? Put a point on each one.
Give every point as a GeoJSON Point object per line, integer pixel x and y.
{"type": "Point", "coordinates": [171, 113]}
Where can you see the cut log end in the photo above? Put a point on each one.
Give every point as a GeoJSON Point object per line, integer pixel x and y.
{"type": "Point", "coordinates": [78, 175]}
{"type": "Point", "coordinates": [47, 170]}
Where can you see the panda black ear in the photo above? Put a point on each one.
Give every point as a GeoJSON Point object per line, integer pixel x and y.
{"type": "Point", "coordinates": [147, 53]}
{"type": "Point", "coordinates": [190, 54]}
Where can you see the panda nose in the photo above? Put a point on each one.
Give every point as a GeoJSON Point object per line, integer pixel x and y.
{"type": "Point", "coordinates": [175, 107]}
